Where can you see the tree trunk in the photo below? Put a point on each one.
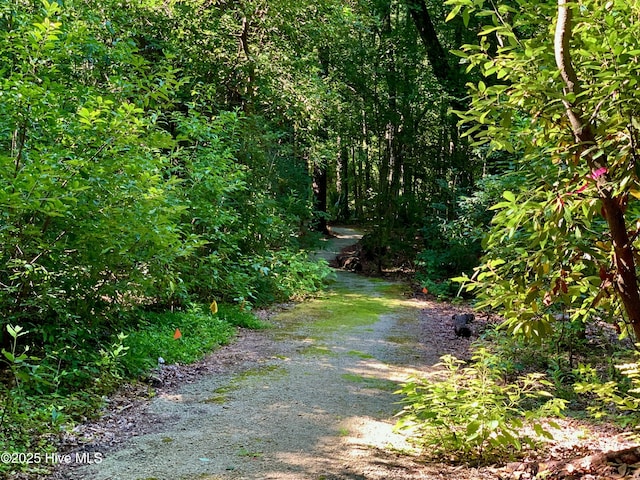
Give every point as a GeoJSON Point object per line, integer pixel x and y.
{"type": "Point", "coordinates": [319, 166]}
{"type": "Point", "coordinates": [247, 101]}
{"type": "Point", "coordinates": [343, 183]}
{"type": "Point", "coordinates": [452, 79]}
{"type": "Point", "coordinates": [435, 52]}
{"type": "Point", "coordinates": [320, 197]}
{"type": "Point", "coordinates": [625, 280]}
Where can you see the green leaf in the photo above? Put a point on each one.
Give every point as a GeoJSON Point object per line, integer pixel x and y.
{"type": "Point", "coordinates": [9, 356]}
{"type": "Point", "coordinates": [509, 196]}
{"type": "Point", "coordinates": [452, 14]}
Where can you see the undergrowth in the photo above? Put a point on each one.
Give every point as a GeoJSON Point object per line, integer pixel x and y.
{"type": "Point", "coordinates": [198, 332]}
{"type": "Point", "coordinates": [43, 395]}
{"type": "Point", "coordinates": [476, 411]}
{"type": "Point", "coordinates": [473, 415]}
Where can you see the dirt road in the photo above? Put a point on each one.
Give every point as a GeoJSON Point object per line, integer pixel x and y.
{"type": "Point", "coordinates": [309, 399]}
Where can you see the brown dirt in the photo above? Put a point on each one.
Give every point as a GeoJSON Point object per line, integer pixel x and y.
{"type": "Point", "coordinates": [295, 403]}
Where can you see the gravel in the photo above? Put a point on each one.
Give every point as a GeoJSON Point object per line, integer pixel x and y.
{"type": "Point", "coordinates": [287, 403]}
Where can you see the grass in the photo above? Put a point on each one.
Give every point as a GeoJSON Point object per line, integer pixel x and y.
{"type": "Point", "coordinates": [199, 333]}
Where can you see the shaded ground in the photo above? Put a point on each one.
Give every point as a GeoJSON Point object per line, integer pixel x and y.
{"type": "Point", "coordinates": [309, 399]}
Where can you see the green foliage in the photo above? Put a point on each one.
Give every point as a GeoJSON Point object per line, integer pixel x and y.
{"type": "Point", "coordinates": [110, 365]}
{"type": "Point", "coordinates": [81, 165]}
{"type": "Point", "coordinates": [38, 416]}
{"type": "Point", "coordinates": [618, 399]}
{"type": "Point", "coordinates": [201, 331]}
{"type": "Point", "coordinates": [19, 362]}
{"type": "Point", "coordinates": [550, 250]}
{"type": "Point", "coordinates": [452, 240]}
{"type": "Point", "coordinates": [555, 357]}
{"type": "Point", "coordinates": [472, 414]}
{"type": "Point", "coordinates": [290, 276]}
{"type": "Point", "coordinates": [133, 177]}
{"type": "Point", "coordinates": [121, 187]}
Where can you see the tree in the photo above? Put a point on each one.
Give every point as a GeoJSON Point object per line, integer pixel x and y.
{"type": "Point", "coordinates": [126, 182]}
{"type": "Point", "coordinates": [448, 73]}
{"type": "Point", "coordinates": [392, 121]}
{"type": "Point", "coordinates": [591, 150]}
{"type": "Point", "coordinates": [561, 92]}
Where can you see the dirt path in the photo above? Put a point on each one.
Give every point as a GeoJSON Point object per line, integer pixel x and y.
{"type": "Point", "coordinates": [310, 399]}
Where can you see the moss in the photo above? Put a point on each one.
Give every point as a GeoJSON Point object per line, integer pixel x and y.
{"type": "Point", "coordinates": [216, 399]}
{"type": "Point", "coordinates": [220, 394]}
{"type": "Point", "coordinates": [342, 308]}
{"type": "Point", "coordinates": [371, 382]}
{"type": "Point", "coordinates": [243, 452]}
{"type": "Point", "coordinates": [317, 350]}
{"type": "Point", "coordinates": [357, 353]}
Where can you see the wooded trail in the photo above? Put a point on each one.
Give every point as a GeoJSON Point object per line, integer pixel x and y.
{"type": "Point", "coordinates": [311, 398]}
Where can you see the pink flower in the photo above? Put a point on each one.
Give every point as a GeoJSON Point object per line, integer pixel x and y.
{"type": "Point", "coordinates": [598, 172]}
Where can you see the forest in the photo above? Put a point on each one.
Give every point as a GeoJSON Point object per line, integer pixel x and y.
{"type": "Point", "coordinates": [179, 159]}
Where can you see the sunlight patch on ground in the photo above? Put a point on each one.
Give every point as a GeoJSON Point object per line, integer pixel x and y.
{"type": "Point", "coordinates": [358, 436]}
{"type": "Point", "coordinates": [364, 431]}
{"type": "Point", "coordinates": [393, 373]}
{"type": "Point", "coordinates": [175, 398]}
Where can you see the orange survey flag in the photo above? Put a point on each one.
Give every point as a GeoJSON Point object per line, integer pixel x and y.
{"type": "Point", "coordinates": [177, 334]}
{"type": "Point", "coordinates": [424, 290]}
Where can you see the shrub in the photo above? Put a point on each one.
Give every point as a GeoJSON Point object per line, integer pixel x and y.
{"type": "Point", "coordinates": [617, 399]}
{"type": "Point", "coordinates": [472, 414]}
{"type": "Point", "coordinates": [454, 245]}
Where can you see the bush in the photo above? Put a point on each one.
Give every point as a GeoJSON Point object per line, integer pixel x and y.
{"type": "Point", "coordinates": [29, 397]}
{"type": "Point", "coordinates": [618, 399]}
{"type": "Point", "coordinates": [115, 195]}
{"type": "Point", "coordinates": [472, 415]}
{"type": "Point", "coordinates": [454, 246]}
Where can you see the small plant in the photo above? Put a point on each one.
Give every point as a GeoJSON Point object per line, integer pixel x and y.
{"type": "Point", "coordinates": [472, 414]}
{"type": "Point", "coordinates": [110, 363]}
{"type": "Point", "coordinates": [619, 400]}
{"type": "Point", "coordinates": [18, 363]}
{"type": "Point", "coordinates": [200, 333]}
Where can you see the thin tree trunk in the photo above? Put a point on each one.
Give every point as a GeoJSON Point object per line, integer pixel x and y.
{"type": "Point", "coordinates": [343, 183]}
{"type": "Point", "coordinates": [319, 167]}
{"type": "Point", "coordinates": [243, 46]}
{"type": "Point", "coordinates": [320, 196]}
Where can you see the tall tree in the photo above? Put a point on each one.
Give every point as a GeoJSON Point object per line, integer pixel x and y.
{"type": "Point", "coordinates": [439, 58]}
{"type": "Point", "coordinates": [568, 239]}
{"type": "Point", "coordinates": [592, 151]}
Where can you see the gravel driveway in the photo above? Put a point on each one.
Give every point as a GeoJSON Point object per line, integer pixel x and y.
{"type": "Point", "coordinates": [309, 399]}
